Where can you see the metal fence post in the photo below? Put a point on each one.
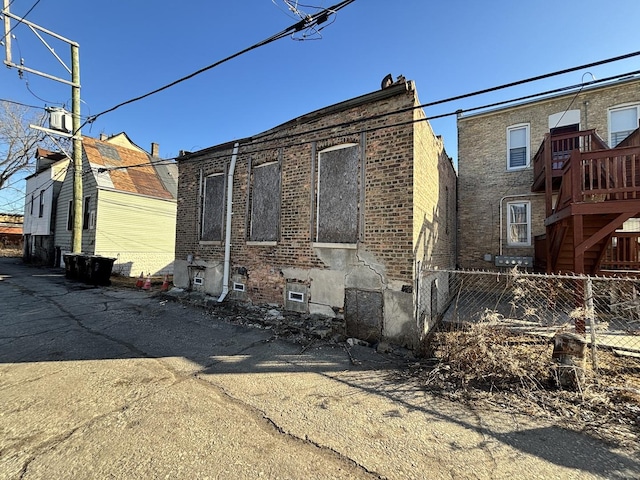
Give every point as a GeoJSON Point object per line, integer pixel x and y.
{"type": "Point", "coordinates": [591, 316]}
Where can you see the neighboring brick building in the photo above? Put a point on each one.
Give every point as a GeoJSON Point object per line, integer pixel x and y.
{"type": "Point", "coordinates": [338, 211]}
{"type": "Point", "coordinates": [501, 212]}
{"type": "Point", "coordinates": [10, 230]}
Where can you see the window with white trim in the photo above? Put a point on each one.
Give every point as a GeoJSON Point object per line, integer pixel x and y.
{"type": "Point", "coordinates": [622, 121]}
{"type": "Point", "coordinates": [518, 147]}
{"type": "Point", "coordinates": [519, 224]}
{"type": "Point", "coordinates": [338, 194]}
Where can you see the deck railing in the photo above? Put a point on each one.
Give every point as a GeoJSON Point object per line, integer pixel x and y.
{"type": "Point", "coordinates": [556, 149]}
{"type": "Point", "coordinates": [607, 175]}
{"type": "Point", "coordinates": [622, 252]}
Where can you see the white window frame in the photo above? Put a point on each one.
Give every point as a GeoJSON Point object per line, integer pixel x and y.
{"type": "Point", "coordinates": [511, 243]}
{"type": "Point", "coordinates": [527, 129]}
{"type": "Point", "coordinates": [626, 106]}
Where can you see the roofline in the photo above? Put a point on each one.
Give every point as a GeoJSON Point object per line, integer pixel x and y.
{"type": "Point", "coordinates": [614, 83]}
{"type": "Point", "coordinates": [124, 192]}
{"type": "Point", "coordinates": [35, 174]}
{"type": "Point", "coordinates": [391, 91]}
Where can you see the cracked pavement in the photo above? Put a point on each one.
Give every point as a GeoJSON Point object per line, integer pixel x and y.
{"type": "Point", "coordinates": [112, 383]}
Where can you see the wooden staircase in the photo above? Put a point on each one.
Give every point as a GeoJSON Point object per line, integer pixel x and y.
{"type": "Point", "coordinates": [590, 191]}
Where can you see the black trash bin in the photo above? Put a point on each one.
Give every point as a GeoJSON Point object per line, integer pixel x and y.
{"type": "Point", "coordinates": [99, 270]}
{"type": "Point", "coordinates": [70, 270]}
{"type": "Point", "coordinates": [81, 268]}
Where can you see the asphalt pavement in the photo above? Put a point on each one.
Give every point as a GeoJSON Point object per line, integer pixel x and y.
{"type": "Point", "coordinates": [105, 382]}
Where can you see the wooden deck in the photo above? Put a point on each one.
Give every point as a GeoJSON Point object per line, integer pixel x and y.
{"type": "Point", "coordinates": [590, 191]}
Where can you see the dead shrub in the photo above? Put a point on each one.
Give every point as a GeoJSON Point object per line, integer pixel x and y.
{"type": "Point", "coordinates": [488, 356]}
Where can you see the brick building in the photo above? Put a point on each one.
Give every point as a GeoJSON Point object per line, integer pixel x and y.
{"type": "Point", "coordinates": [337, 212]}
{"type": "Point", "coordinates": [532, 188]}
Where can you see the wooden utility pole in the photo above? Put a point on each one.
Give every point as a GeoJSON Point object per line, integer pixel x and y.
{"type": "Point", "coordinates": [76, 234]}
{"type": "Point", "coordinates": [76, 242]}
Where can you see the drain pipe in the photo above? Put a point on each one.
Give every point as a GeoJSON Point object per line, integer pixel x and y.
{"type": "Point", "coordinates": [227, 239]}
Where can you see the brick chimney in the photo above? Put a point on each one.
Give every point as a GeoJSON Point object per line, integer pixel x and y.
{"type": "Point", "coordinates": [155, 149]}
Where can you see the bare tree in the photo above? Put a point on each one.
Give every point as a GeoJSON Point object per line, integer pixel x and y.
{"type": "Point", "coordinates": [18, 142]}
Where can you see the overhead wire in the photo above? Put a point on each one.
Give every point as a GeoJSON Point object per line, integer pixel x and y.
{"type": "Point", "coordinates": [342, 133]}
{"type": "Point", "coordinates": [21, 19]}
{"type": "Point", "coordinates": [386, 114]}
{"type": "Point", "coordinates": [314, 19]}
{"type": "Point", "coordinates": [375, 117]}
{"type": "Point", "coordinates": [400, 111]}
{"type": "Point", "coordinates": [425, 105]}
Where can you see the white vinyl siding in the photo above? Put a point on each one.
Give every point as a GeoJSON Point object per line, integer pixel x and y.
{"type": "Point", "coordinates": [138, 231]}
{"type": "Point", "coordinates": [622, 121]}
{"type": "Point", "coordinates": [519, 224]}
{"type": "Point", "coordinates": [517, 147]}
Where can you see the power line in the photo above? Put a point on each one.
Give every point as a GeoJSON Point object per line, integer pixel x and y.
{"type": "Point", "coordinates": [306, 23]}
{"type": "Point", "coordinates": [20, 104]}
{"type": "Point", "coordinates": [580, 86]}
{"type": "Point", "coordinates": [536, 78]}
{"type": "Point", "coordinates": [472, 94]}
{"type": "Point", "coordinates": [24, 17]}
{"type": "Point", "coordinates": [431, 117]}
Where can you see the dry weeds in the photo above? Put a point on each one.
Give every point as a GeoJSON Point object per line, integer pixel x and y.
{"type": "Point", "coordinates": [491, 367]}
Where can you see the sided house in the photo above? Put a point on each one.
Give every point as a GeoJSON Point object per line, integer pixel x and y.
{"type": "Point", "coordinates": [553, 183]}
{"type": "Point", "coordinates": [129, 206]}
{"type": "Point", "coordinates": [342, 211]}
{"type": "Point", "coordinates": [42, 191]}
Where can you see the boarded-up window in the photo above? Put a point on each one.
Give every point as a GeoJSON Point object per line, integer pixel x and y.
{"type": "Point", "coordinates": [265, 203]}
{"type": "Point", "coordinates": [213, 208]}
{"type": "Point", "coordinates": [337, 212]}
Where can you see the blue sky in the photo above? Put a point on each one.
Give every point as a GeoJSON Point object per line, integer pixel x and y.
{"type": "Point", "coordinates": [128, 48]}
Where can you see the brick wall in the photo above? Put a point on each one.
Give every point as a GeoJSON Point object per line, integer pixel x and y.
{"type": "Point", "coordinates": [484, 179]}
{"type": "Point", "coordinates": [408, 211]}
{"type": "Point", "coordinates": [388, 195]}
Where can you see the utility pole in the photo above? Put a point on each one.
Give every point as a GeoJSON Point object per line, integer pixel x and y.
{"type": "Point", "coordinates": [76, 236]}
{"type": "Point", "coordinates": [75, 135]}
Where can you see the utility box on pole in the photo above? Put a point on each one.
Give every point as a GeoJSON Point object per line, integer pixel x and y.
{"type": "Point", "coordinates": [60, 119]}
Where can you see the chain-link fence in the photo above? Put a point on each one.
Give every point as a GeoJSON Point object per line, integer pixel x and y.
{"type": "Point", "coordinates": [604, 310]}
{"type": "Point", "coordinates": [520, 324]}
{"type": "Point", "coordinates": [564, 348]}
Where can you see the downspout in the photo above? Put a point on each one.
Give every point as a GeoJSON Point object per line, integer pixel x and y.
{"type": "Point", "coordinates": [227, 239]}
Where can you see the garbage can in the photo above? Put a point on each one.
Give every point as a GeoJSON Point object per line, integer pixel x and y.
{"type": "Point", "coordinates": [70, 265]}
{"type": "Point", "coordinates": [99, 270]}
{"type": "Point", "coordinates": [81, 268]}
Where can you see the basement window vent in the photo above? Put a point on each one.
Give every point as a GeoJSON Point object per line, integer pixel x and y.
{"type": "Point", "coordinates": [296, 297]}
{"type": "Point", "coordinates": [238, 287]}
{"type": "Point", "coordinates": [198, 281]}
